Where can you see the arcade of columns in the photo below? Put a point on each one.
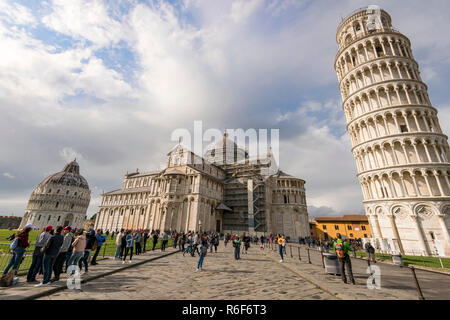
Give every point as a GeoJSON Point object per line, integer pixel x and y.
{"type": "Point", "coordinates": [401, 153]}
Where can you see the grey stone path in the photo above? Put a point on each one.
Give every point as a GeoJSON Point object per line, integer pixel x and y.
{"type": "Point", "coordinates": [396, 283]}
{"type": "Point", "coordinates": [257, 276]}
{"type": "Point", "coordinates": [25, 290]}
{"type": "Point", "coordinates": [254, 277]}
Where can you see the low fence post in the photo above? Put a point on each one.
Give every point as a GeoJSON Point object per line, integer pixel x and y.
{"type": "Point", "coordinates": [323, 262]}
{"type": "Point", "coordinates": [104, 249]}
{"type": "Point", "coordinates": [309, 257]}
{"type": "Point", "coordinates": [299, 258]}
{"type": "Point", "coordinates": [419, 291]}
{"type": "Point", "coordinates": [290, 249]}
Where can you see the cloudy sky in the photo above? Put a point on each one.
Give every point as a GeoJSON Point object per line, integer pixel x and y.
{"type": "Point", "coordinates": [107, 81]}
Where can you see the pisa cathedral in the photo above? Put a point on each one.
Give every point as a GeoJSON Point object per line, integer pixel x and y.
{"type": "Point", "coordinates": [209, 193]}
{"type": "Point", "coordinates": [401, 153]}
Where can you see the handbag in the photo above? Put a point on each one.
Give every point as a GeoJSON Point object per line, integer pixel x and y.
{"type": "Point", "coordinates": [7, 279]}
{"type": "Point", "coordinates": [14, 244]}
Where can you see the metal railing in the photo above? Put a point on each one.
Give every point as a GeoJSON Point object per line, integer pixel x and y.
{"type": "Point", "coordinates": [6, 255]}
{"type": "Point", "coordinates": [319, 260]}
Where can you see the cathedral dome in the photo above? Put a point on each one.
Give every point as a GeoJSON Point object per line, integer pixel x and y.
{"type": "Point", "coordinates": [69, 176]}
{"type": "Point", "coordinates": [224, 151]}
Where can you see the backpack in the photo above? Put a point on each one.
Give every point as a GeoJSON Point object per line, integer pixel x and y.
{"type": "Point", "coordinates": [14, 244]}
{"type": "Point", "coordinates": [340, 250]}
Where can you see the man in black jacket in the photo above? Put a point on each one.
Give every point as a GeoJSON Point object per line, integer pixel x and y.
{"type": "Point", "coordinates": [155, 240]}
{"type": "Point", "coordinates": [50, 252]}
{"type": "Point", "coordinates": [146, 236]}
{"type": "Point", "coordinates": [91, 239]}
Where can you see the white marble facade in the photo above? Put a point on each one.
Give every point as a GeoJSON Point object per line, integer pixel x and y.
{"type": "Point", "coordinates": [61, 199]}
{"type": "Point", "coordinates": [193, 195]}
{"type": "Point", "coordinates": [401, 153]}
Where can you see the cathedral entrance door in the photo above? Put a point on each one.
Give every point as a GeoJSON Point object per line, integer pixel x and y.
{"type": "Point", "coordinates": [217, 225]}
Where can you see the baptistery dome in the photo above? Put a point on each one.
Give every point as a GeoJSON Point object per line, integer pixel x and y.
{"type": "Point", "coordinates": [69, 176]}
{"type": "Point", "coordinates": [61, 199]}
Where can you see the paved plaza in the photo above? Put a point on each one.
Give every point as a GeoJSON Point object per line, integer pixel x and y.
{"type": "Point", "coordinates": [257, 276]}
{"type": "Point", "coordinates": [254, 277]}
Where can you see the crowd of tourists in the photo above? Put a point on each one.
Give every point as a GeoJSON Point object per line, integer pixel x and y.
{"type": "Point", "coordinates": [69, 250]}
{"type": "Point", "coordinates": [55, 250]}
{"type": "Point", "coordinates": [66, 249]}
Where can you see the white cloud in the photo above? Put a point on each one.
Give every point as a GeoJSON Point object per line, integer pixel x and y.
{"type": "Point", "coordinates": [85, 20]}
{"type": "Point", "coordinates": [69, 154]}
{"type": "Point", "coordinates": [15, 13]}
{"type": "Point", "coordinates": [241, 10]}
{"type": "Point", "coordinates": [8, 175]}
{"type": "Point", "coordinates": [249, 64]}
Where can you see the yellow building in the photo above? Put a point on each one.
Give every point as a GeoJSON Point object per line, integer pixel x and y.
{"type": "Point", "coordinates": [349, 226]}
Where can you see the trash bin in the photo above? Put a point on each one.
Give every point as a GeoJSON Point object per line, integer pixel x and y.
{"type": "Point", "coordinates": [331, 263]}
{"type": "Point", "coordinates": [397, 259]}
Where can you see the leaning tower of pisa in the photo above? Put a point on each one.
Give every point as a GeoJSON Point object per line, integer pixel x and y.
{"type": "Point", "coordinates": [401, 153]}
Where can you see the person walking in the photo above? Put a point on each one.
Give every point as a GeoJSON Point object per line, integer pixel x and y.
{"type": "Point", "coordinates": [370, 250]}
{"type": "Point", "coordinates": [146, 236]}
{"type": "Point", "coordinates": [196, 242]}
{"type": "Point", "coordinates": [216, 242]}
{"type": "Point", "coordinates": [165, 240]}
{"type": "Point", "coordinates": [342, 249]}
{"type": "Point", "coordinates": [237, 247]}
{"type": "Point", "coordinates": [247, 241]}
{"type": "Point", "coordinates": [182, 242]}
{"type": "Point", "coordinates": [79, 246]}
{"type": "Point", "coordinates": [203, 249]}
{"type": "Point", "coordinates": [137, 240]}
{"type": "Point", "coordinates": [155, 240]}
{"type": "Point", "coordinates": [175, 240]}
{"type": "Point", "coordinates": [69, 251]}
{"type": "Point", "coordinates": [141, 241]}
{"type": "Point", "coordinates": [91, 241]}
{"type": "Point", "coordinates": [281, 246]}
{"type": "Point", "coordinates": [61, 257]}
{"type": "Point", "coordinates": [129, 238]}
{"type": "Point", "coordinates": [210, 243]}
{"type": "Point", "coordinates": [189, 245]}
{"type": "Point", "coordinates": [36, 262]}
{"type": "Point", "coordinates": [18, 246]}
{"type": "Point", "coordinates": [227, 238]}
{"type": "Point", "coordinates": [50, 252]}
{"type": "Point", "coordinates": [119, 245]}
{"type": "Point", "coordinates": [100, 239]}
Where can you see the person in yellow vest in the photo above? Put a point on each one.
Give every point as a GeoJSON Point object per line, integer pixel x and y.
{"type": "Point", "coordinates": [281, 245]}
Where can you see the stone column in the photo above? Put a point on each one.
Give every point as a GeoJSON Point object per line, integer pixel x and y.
{"type": "Point", "coordinates": [380, 234]}
{"type": "Point", "coordinates": [420, 235]}
{"type": "Point", "coordinates": [396, 234]}
{"type": "Point", "coordinates": [416, 186]}
{"type": "Point", "coordinates": [404, 189]}
{"type": "Point", "coordinates": [427, 181]}
{"type": "Point", "coordinates": [425, 145]}
{"type": "Point", "coordinates": [438, 180]}
{"type": "Point", "coordinates": [441, 218]}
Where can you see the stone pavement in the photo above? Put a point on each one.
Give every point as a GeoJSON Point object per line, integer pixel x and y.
{"type": "Point", "coordinates": [254, 277]}
{"type": "Point", "coordinates": [23, 290]}
{"type": "Point", "coordinates": [396, 283]}
{"type": "Point", "coordinates": [257, 276]}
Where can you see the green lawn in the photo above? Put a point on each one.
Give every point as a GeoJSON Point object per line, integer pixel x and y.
{"type": "Point", "coordinates": [432, 262]}
{"type": "Point", "coordinates": [108, 248]}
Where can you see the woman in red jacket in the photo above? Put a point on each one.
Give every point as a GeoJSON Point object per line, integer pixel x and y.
{"type": "Point", "coordinates": [19, 250]}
